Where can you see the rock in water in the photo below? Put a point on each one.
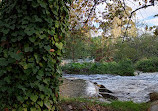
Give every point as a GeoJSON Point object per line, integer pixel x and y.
{"type": "Point", "coordinates": [104, 89]}
{"type": "Point", "coordinates": [153, 96]}
{"type": "Point", "coordinates": [107, 94]}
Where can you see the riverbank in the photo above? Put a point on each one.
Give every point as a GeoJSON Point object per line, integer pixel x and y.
{"type": "Point", "coordinates": [124, 67]}
{"type": "Point", "coordinates": [80, 104]}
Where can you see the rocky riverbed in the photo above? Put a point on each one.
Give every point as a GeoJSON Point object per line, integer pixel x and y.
{"type": "Point", "coordinates": [125, 88]}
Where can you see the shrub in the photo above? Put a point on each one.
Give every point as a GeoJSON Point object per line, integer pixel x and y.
{"type": "Point", "coordinates": [98, 68]}
{"type": "Point", "coordinates": [124, 67]}
{"type": "Point", "coordinates": [75, 68]}
{"type": "Point", "coordinates": [112, 68]}
{"type": "Point", "coordinates": [147, 65]}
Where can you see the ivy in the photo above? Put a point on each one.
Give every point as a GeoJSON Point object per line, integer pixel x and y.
{"type": "Point", "coordinates": [30, 52]}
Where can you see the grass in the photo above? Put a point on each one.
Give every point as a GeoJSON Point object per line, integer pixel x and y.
{"type": "Point", "coordinates": [93, 105]}
{"type": "Point", "coordinates": [129, 106]}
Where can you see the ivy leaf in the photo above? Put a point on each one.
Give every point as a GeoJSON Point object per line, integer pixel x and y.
{"type": "Point", "coordinates": [57, 24]}
{"type": "Point", "coordinates": [47, 47]}
{"type": "Point", "coordinates": [28, 49]}
{"type": "Point", "coordinates": [34, 97]}
{"type": "Point", "coordinates": [42, 36]}
{"type": "Point", "coordinates": [7, 79]}
{"type": "Point", "coordinates": [29, 31]}
{"type": "Point", "coordinates": [32, 39]}
{"type": "Point", "coordinates": [33, 109]}
{"type": "Point", "coordinates": [35, 70]}
{"type": "Point", "coordinates": [42, 4]}
{"type": "Point", "coordinates": [55, 12]}
{"type": "Point", "coordinates": [41, 88]}
{"type": "Point", "coordinates": [12, 27]}
{"type": "Point", "coordinates": [37, 57]}
{"type": "Point", "coordinates": [24, 22]}
{"type": "Point", "coordinates": [38, 19]}
{"type": "Point", "coordinates": [59, 45]}
{"type": "Point", "coordinates": [16, 56]}
{"type": "Point", "coordinates": [42, 96]}
{"type": "Point", "coordinates": [25, 66]}
{"type": "Point", "coordinates": [19, 98]}
{"type": "Point", "coordinates": [47, 104]}
{"type": "Point", "coordinates": [3, 62]}
{"type": "Point", "coordinates": [40, 103]}
{"type": "Point", "coordinates": [5, 31]}
{"type": "Point", "coordinates": [52, 32]}
{"type": "Point", "coordinates": [40, 73]}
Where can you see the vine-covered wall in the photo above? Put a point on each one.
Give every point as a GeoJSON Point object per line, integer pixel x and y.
{"type": "Point", "coordinates": [31, 39]}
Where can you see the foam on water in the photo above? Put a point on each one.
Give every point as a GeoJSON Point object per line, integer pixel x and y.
{"type": "Point", "coordinates": [126, 88]}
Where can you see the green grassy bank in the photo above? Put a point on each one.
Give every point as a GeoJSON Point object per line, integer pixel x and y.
{"type": "Point", "coordinates": [80, 104]}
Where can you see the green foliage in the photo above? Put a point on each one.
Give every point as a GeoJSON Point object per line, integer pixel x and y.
{"type": "Point", "coordinates": [76, 68]}
{"type": "Point", "coordinates": [31, 39]}
{"type": "Point", "coordinates": [102, 49]}
{"type": "Point", "coordinates": [147, 65]}
{"type": "Point", "coordinates": [124, 68]}
{"type": "Point", "coordinates": [99, 68]}
{"type": "Point", "coordinates": [144, 46]}
{"type": "Point", "coordinates": [77, 46]}
{"type": "Point", "coordinates": [128, 106]}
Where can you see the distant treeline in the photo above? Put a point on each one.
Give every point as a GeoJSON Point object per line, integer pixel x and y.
{"type": "Point", "coordinates": [108, 50]}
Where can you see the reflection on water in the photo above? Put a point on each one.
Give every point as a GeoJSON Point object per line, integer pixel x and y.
{"type": "Point", "coordinates": [135, 88]}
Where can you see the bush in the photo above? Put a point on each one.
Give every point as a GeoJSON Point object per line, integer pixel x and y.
{"type": "Point", "coordinates": [112, 68]}
{"type": "Point", "coordinates": [98, 68]}
{"type": "Point", "coordinates": [76, 68]}
{"type": "Point", "coordinates": [147, 65]}
{"type": "Point", "coordinates": [124, 67]}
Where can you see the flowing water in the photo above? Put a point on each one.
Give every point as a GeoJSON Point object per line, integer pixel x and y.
{"type": "Point", "coordinates": [126, 88]}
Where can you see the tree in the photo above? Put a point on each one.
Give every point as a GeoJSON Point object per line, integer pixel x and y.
{"type": "Point", "coordinates": [31, 38]}
{"type": "Point", "coordinates": [116, 12]}
{"type": "Point", "coordinates": [77, 46]}
{"type": "Point", "coordinates": [32, 34]}
{"type": "Point", "coordinates": [141, 47]}
{"type": "Point", "coordinates": [115, 21]}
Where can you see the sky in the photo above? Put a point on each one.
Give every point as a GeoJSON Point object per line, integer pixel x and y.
{"type": "Point", "coordinates": [143, 16]}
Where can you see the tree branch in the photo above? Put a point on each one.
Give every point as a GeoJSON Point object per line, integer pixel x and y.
{"type": "Point", "coordinates": [145, 6]}
{"type": "Point", "coordinates": [91, 10]}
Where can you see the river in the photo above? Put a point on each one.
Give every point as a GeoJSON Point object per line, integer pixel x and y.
{"type": "Point", "coordinates": [126, 88]}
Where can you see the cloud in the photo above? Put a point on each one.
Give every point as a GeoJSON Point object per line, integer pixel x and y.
{"type": "Point", "coordinates": [145, 15]}
{"type": "Point", "coordinates": [153, 21]}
